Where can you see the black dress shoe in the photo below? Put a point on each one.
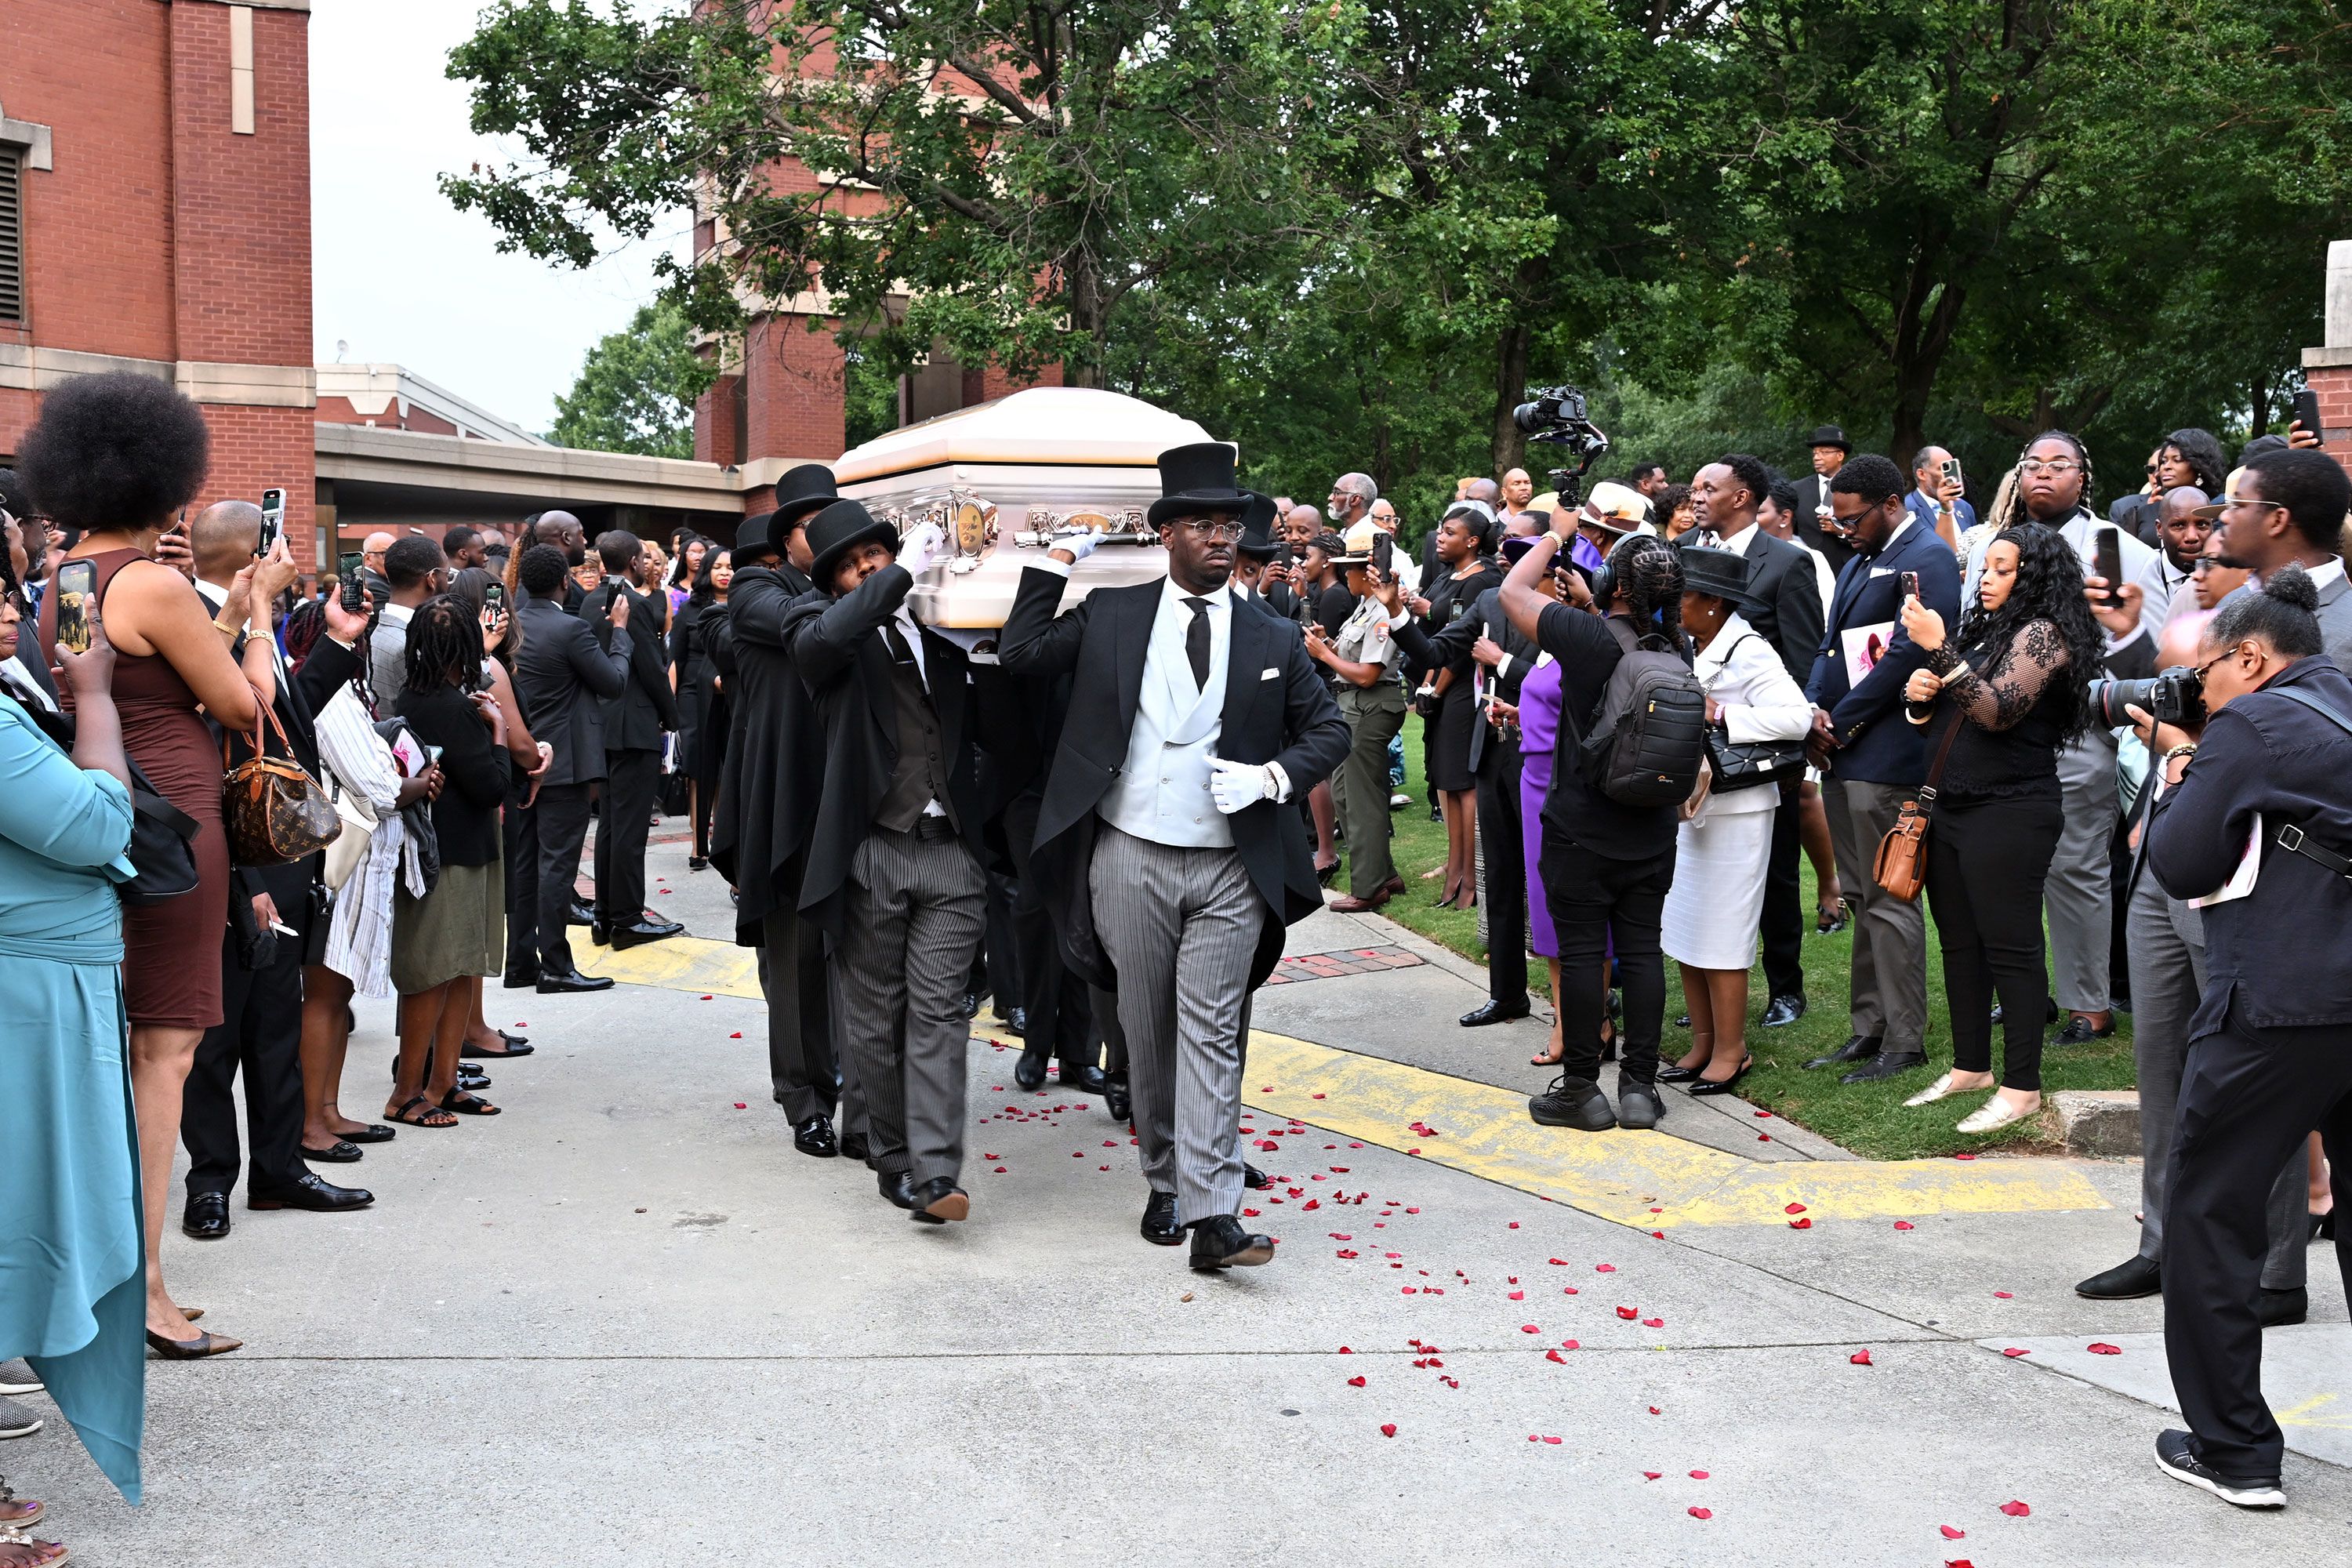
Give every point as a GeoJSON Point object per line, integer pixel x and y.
{"type": "Point", "coordinates": [1116, 1099]}
{"type": "Point", "coordinates": [206, 1217]}
{"type": "Point", "coordinates": [552, 981]}
{"type": "Point", "coordinates": [814, 1137]}
{"type": "Point", "coordinates": [1492, 1012]}
{"type": "Point", "coordinates": [853, 1147]}
{"type": "Point", "coordinates": [2280, 1309]}
{"type": "Point", "coordinates": [1575, 1102]}
{"type": "Point", "coordinates": [312, 1192]}
{"type": "Point", "coordinates": [1857, 1049]}
{"type": "Point", "coordinates": [697, 862]}
{"type": "Point", "coordinates": [897, 1188]}
{"type": "Point", "coordinates": [938, 1201]}
{"type": "Point", "coordinates": [341, 1151]}
{"type": "Point", "coordinates": [1783, 1011]}
{"type": "Point", "coordinates": [1082, 1078]}
{"type": "Point", "coordinates": [971, 1000]}
{"type": "Point", "coordinates": [580, 915]}
{"type": "Point", "coordinates": [1885, 1064]}
{"type": "Point", "coordinates": [514, 1045]}
{"type": "Point", "coordinates": [644, 932]}
{"type": "Point", "coordinates": [521, 977]}
{"type": "Point", "coordinates": [600, 933]}
{"type": "Point", "coordinates": [1639, 1106]}
{"type": "Point", "coordinates": [471, 1079]}
{"type": "Point", "coordinates": [1029, 1072]}
{"type": "Point", "coordinates": [1159, 1226]}
{"type": "Point", "coordinates": [2081, 1031]}
{"type": "Point", "coordinates": [2126, 1281]}
{"type": "Point", "coordinates": [1253, 1178]}
{"type": "Point", "coordinates": [1220, 1242]}
{"type": "Point", "coordinates": [1016, 1022]}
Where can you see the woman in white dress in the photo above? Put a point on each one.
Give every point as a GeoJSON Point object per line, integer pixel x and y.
{"type": "Point", "coordinates": [1717, 897]}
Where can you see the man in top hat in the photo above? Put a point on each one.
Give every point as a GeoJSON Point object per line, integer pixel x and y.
{"type": "Point", "coordinates": [1254, 554]}
{"type": "Point", "coordinates": [768, 795]}
{"type": "Point", "coordinates": [892, 870]}
{"type": "Point", "coordinates": [1830, 450]}
{"type": "Point", "coordinates": [1168, 854]}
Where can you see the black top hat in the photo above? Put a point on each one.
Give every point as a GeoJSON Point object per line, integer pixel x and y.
{"type": "Point", "coordinates": [1195, 479]}
{"type": "Point", "coordinates": [832, 532]}
{"type": "Point", "coordinates": [1830, 436]}
{"type": "Point", "coordinates": [1256, 541]}
{"type": "Point", "coordinates": [1725, 573]}
{"type": "Point", "coordinates": [755, 536]}
{"type": "Point", "coordinates": [798, 492]}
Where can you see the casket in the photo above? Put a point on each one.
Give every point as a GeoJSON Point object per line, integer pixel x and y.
{"type": "Point", "coordinates": [1003, 479]}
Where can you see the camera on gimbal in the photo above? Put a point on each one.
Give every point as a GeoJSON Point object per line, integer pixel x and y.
{"type": "Point", "coordinates": [2176, 697]}
{"type": "Point", "coordinates": [1555, 415]}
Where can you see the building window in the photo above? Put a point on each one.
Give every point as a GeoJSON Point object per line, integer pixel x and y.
{"type": "Point", "coordinates": [12, 235]}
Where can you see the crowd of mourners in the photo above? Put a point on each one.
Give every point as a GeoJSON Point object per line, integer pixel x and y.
{"type": "Point", "coordinates": [234, 800]}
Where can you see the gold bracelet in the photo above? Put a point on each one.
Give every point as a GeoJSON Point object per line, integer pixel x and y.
{"type": "Point", "coordinates": [232, 633]}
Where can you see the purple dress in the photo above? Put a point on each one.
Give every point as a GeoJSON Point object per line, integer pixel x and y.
{"type": "Point", "coordinates": [1538, 732]}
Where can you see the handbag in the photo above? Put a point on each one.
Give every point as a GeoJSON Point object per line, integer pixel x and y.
{"type": "Point", "coordinates": [1902, 865]}
{"type": "Point", "coordinates": [350, 849]}
{"type": "Point", "coordinates": [1744, 764]}
{"type": "Point", "coordinates": [163, 847]}
{"type": "Point", "coordinates": [275, 812]}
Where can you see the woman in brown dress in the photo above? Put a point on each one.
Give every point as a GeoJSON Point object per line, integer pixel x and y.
{"type": "Point", "coordinates": [118, 458]}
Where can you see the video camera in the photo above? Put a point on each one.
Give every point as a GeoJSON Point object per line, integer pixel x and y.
{"type": "Point", "coordinates": [2176, 697]}
{"type": "Point", "coordinates": [1555, 415]}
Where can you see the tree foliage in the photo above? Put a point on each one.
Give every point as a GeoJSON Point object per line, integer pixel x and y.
{"type": "Point", "coordinates": [636, 389]}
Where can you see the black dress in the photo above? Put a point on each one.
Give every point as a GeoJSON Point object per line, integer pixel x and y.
{"type": "Point", "coordinates": [1446, 756]}
{"type": "Point", "coordinates": [703, 711]}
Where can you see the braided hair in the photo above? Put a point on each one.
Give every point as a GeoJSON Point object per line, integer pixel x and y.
{"type": "Point", "coordinates": [1648, 574]}
{"type": "Point", "coordinates": [445, 644]}
{"type": "Point", "coordinates": [2016, 513]}
{"type": "Point", "coordinates": [2049, 588]}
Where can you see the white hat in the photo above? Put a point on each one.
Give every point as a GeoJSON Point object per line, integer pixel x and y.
{"type": "Point", "coordinates": [1619, 509]}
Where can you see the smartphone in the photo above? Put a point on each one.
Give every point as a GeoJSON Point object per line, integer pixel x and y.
{"type": "Point", "coordinates": [352, 568]}
{"type": "Point", "coordinates": [1910, 584]}
{"type": "Point", "coordinates": [2107, 562]}
{"type": "Point", "coordinates": [75, 582]}
{"type": "Point", "coordinates": [273, 520]}
{"type": "Point", "coordinates": [494, 596]}
{"type": "Point", "coordinates": [1383, 553]}
{"type": "Point", "coordinates": [2306, 410]}
{"type": "Point", "coordinates": [1951, 467]}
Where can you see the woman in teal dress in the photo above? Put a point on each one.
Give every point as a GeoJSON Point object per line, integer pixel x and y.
{"type": "Point", "coordinates": [72, 1275]}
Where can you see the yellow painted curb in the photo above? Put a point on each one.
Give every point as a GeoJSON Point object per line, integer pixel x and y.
{"type": "Point", "coordinates": [681, 963]}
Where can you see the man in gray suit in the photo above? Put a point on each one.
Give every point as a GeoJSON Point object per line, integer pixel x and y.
{"type": "Point", "coordinates": [2278, 510]}
{"type": "Point", "coordinates": [1170, 859]}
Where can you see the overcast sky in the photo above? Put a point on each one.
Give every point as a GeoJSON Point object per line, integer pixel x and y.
{"type": "Point", "coordinates": [399, 273]}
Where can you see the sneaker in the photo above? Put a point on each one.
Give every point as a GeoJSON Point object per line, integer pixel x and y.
{"type": "Point", "coordinates": [2176, 1456]}
{"type": "Point", "coordinates": [16, 1377]}
{"type": "Point", "coordinates": [17, 1421]}
{"type": "Point", "coordinates": [1575, 1102]}
{"type": "Point", "coordinates": [1399, 801]}
{"type": "Point", "coordinates": [1639, 1106]}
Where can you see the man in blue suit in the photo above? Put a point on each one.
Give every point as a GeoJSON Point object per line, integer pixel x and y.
{"type": "Point", "coordinates": [1937, 502]}
{"type": "Point", "coordinates": [1871, 760]}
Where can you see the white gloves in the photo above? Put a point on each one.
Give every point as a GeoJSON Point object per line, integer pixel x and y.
{"type": "Point", "coordinates": [920, 549]}
{"type": "Point", "coordinates": [1234, 785]}
{"type": "Point", "coordinates": [1080, 545]}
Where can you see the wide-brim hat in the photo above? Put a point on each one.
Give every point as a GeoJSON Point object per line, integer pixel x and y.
{"type": "Point", "coordinates": [1830, 436]}
{"type": "Point", "coordinates": [1725, 574]}
{"type": "Point", "coordinates": [798, 492]}
{"type": "Point", "coordinates": [1359, 541]}
{"type": "Point", "coordinates": [831, 533]}
{"type": "Point", "coordinates": [2213, 509]}
{"type": "Point", "coordinates": [1256, 541]}
{"type": "Point", "coordinates": [1619, 509]}
{"type": "Point", "coordinates": [1195, 479]}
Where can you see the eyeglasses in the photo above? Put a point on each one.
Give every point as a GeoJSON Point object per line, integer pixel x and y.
{"type": "Point", "coordinates": [2055, 469]}
{"type": "Point", "coordinates": [2206, 563]}
{"type": "Point", "coordinates": [1214, 530]}
{"type": "Point", "coordinates": [2229, 501]}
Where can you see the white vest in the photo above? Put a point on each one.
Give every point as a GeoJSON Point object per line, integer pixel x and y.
{"type": "Point", "coordinates": [1162, 792]}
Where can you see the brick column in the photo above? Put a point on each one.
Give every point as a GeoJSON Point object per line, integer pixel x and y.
{"type": "Point", "coordinates": [792, 389]}
{"type": "Point", "coordinates": [2328, 369]}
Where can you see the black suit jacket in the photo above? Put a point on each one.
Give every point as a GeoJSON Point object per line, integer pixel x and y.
{"type": "Point", "coordinates": [1880, 746]}
{"type": "Point", "coordinates": [774, 773]}
{"type": "Point", "coordinates": [845, 669]}
{"type": "Point", "coordinates": [1811, 492]}
{"type": "Point", "coordinates": [1789, 612]}
{"type": "Point", "coordinates": [562, 674]}
{"type": "Point", "coordinates": [1103, 645]}
{"type": "Point", "coordinates": [636, 716]}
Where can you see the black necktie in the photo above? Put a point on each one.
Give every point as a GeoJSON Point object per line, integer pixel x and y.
{"type": "Point", "coordinates": [896, 641]}
{"type": "Point", "coordinates": [1196, 641]}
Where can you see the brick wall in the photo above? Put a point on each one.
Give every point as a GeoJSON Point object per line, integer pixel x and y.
{"type": "Point", "coordinates": [254, 449]}
{"type": "Point", "coordinates": [2334, 388]}
{"type": "Point", "coordinates": [792, 389]}
{"type": "Point", "coordinates": [718, 416]}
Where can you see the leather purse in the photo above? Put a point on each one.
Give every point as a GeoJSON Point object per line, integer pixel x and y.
{"type": "Point", "coordinates": [349, 848]}
{"type": "Point", "coordinates": [1902, 865]}
{"type": "Point", "coordinates": [275, 812]}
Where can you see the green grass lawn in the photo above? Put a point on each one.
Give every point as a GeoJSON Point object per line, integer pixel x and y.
{"type": "Point", "coordinates": [1869, 1118]}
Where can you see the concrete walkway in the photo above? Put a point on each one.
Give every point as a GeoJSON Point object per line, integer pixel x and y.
{"type": "Point", "coordinates": [627, 1323]}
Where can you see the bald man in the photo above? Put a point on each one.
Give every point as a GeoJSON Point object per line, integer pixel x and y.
{"type": "Point", "coordinates": [564, 532]}
{"type": "Point", "coordinates": [1518, 489]}
{"type": "Point", "coordinates": [371, 551]}
{"type": "Point", "coordinates": [1935, 501]}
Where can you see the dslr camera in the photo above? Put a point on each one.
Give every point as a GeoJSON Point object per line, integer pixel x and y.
{"type": "Point", "coordinates": [1556, 416]}
{"type": "Point", "coordinates": [2176, 697]}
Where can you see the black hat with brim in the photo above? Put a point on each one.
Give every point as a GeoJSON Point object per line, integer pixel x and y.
{"type": "Point", "coordinates": [1257, 542]}
{"type": "Point", "coordinates": [1724, 573]}
{"type": "Point", "coordinates": [833, 532]}
{"type": "Point", "coordinates": [755, 535]}
{"type": "Point", "coordinates": [798, 492]}
{"type": "Point", "coordinates": [1830, 436]}
{"type": "Point", "coordinates": [1197, 479]}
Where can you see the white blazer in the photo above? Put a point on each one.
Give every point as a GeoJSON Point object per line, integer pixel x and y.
{"type": "Point", "coordinates": [1759, 702]}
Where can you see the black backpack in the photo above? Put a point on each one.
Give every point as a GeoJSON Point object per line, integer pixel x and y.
{"type": "Point", "coordinates": [1648, 737]}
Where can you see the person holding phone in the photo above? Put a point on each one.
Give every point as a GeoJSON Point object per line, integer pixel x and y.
{"type": "Point", "coordinates": [119, 456]}
{"type": "Point", "coordinates": [1362, 658]}
{"type": "Point", "coordinates": [1935, 499]}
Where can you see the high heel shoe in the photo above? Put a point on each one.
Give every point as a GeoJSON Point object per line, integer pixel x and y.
{"type": "Point", "coordinates": [1706, 1085]}
{"type": "Point", "coordinates": [192, 1350]}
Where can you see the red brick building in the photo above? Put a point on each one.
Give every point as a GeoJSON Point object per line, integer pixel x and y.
{"type": "Point", "coordinates": [155, 217]}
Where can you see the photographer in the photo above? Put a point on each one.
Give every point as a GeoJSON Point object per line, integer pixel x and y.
{"type": "Point", "coordinates": [2257, 800]}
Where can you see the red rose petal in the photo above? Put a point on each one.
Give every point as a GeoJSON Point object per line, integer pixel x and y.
{"type": "Point", "coordinates": [1800, 1224]}
{"type": "Point", "coordinates": [736, 1036]}
{"type": "Point", "coordinates": [2014, 1350]}
{"type": "Point", "coordinates": [1861, 1358]}
{"type": "Point", "coordinates": [1964, 1156]}
{"type": "Point", "coordinates": [1653, 1322]}
{"type": "Point", "coordinates": [1518, 1296]}
{"type": "Point", "coordinates": [1345, 1350]}
{"type": "Point", "coordinates": [1700, 1513]}
{"type": "Point", "coordinates": [1355, 1383]}
{"type": "Point", "coordinates": [1388, 1428]}
{"type": "Point", "coordinates": [1556, 1261]}
{"type": "Point", "coordinates": [1904, 1225]}
{"type": "Point", "coordinates": [2105, 1348]}
{"type": "Point", "coordinates": [1529, 1329]}
{"type": "Point", "coordinates": [1763, 1137]}
{"type": "Point", "coordinates": [706, 998]}
{"type": "Point", "coordinates": [1555, 1355]}
{"type": "Point", "coordinates": [1568, 1344]}
{"type": "Point", "coordinates": [1655, 1411]}
{"type": "Point", "coordinates": [1651, 1475]}
{"type": "Point", "coordinates": [2000, 1296]}
{"type": "Point", "coordinates": [1515, 1225]}
{"type": "Point", "coordinates": [1551, 1439]}
{"type": "Point", "coordinates": [1698, 1475]}
{"type": "Point", "coordinates": [1951, 1534]}
{"type": "Point", "coordinates": [740, 1105]}
{"type": "Point", "coordinates": [2015, 1510]}
{"type": "Point", "coordinates": [1628, 1313]}
{"type": "Point", "coordinates": [1794, 1208]}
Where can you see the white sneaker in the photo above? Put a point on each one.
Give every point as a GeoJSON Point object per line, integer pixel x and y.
{"type": "Point", "coordinates": [16, 1377]}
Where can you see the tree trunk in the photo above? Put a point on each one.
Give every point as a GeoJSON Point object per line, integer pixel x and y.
{"type": "Point", "coordinates": [1088, 321]}
{"type": "Point", "coordinates": [1511, 443]}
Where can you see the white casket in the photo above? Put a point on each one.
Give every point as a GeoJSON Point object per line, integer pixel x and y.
{"type": "Point", "coordinates": [1003, 477]}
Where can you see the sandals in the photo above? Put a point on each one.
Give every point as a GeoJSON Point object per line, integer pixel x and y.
{"type": "Point", "coordinates": [465, 1104]}
{"type": "Point", "coordinates": [409, 1115]}
{"type": "Point", "coordinates": [1830, 919]}
{"type": "Point", "coordinates": [15, 1512]}
{"type": "Point", "coordinates": [45, 1553]}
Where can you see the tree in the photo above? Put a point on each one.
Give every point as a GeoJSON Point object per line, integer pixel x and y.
{"type": "Point", "coordinates": [636, 389]}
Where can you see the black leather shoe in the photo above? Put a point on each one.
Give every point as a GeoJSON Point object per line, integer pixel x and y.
{"type": "Point", "coordinates": [855, 1148]}
{"type": "Point", "coordinates": [554, 981]}
{"type": "Point", "coordinates": [1081, 1078]}
{"type": "Point", "coordinates": [2081, 1031]}
{"type": "Point", "coordinates": [206, 1217]}
{"type": "Point", "coordinates": [939, 1200]}
{"type": "Point", "coordinates": [814, 1137]}
{"type": "Point", "coordinates": [2280, 1309]}
{"type": "Point", "coordinates": [1857, 1049]}
{"type": "Point", "coordinates": [472, 1079]}
{"type": "Point", "coordinates": [971, 1004]}
{"type": "Point", "coordinates": [644, 932]}
{"type": "Point", "coordinates": [1672, 1074]}
{"type": "Point", "coordinates": [1492, 1012]}
{"type": "Point", "coordinates": [312, 1192]}
{"type": "Point", "coordinates": [1029, 1072]}
{"type": "Point", "coordinates": [1575, 1102]}
{"type": "Point", "coordinates": [1639, 1106]}
{"type": "Point", "coordinates": [522, 977]}
{"type": "Point", "coordinates": [512, 1046]}
{"type": "Point", "coordinates": [2126, 1281]}
{"type": "Point", "coordinates": [1016, 1022]}
{"type": "Point", "coordinates": [1885, 1064]}
{"type": "Point", "coordinates": [1159, 1226]}
{"type": "Point", "coordinates": [897, 1188]}
{"type": "Point", "coordinates": [341, 1151]}
{"type": "Point", "coordinates": [1253, 1178]}
{"type": "Point", "coordinates": [1220, 1242]}
{"type": "Point", "coordinates": [1116, 1099]}
{"type": "Point", "coordinates": [580, 915]}
{"type": "Point", "coordinates": [1783, 1011]}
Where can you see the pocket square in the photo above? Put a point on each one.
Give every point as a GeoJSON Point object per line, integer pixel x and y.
{"type": "Point", "coordinates": [1882, 571]}
{"type": "Point", "coordinates": [1267, 674]}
